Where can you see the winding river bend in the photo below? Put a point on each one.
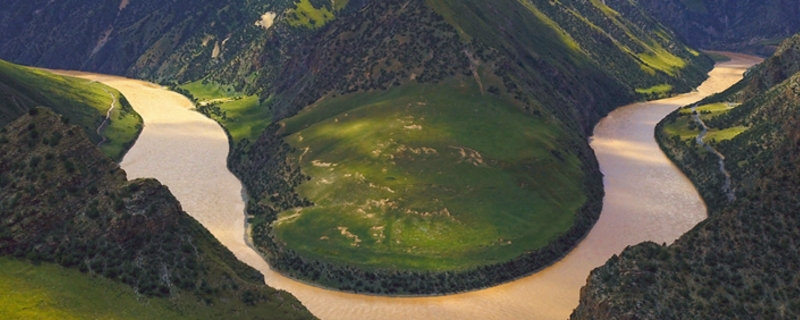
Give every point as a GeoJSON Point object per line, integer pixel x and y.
{"type": "Point", "coordinates": [647, 198]}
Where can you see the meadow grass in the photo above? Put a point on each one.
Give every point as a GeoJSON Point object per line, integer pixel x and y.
{"type": "Point", "coordinates": [305, 15]}
{"type": "Point", "coordinates": [83, 102]}
{"type": "Point", "coordinates": [710, 110]}
{"type": "Point", "coordinates": [718, 57]}
{"type": "Point", "coordinates": [659, 58]}
{"type": "Point", "coordinates": [47, 291]}
{"type": "Point", "coordinates": [339, 4]}
{"type": "Point", "coordinates": [657, 89]}
{"type": "Point", "coordinates": [428, 177]}
{"type": "Point", "coordinates": [245, 116]}
{"type": "Point", "coordinates": [208, 91]}
{"type": "Point", "coordinates": [681, 125]}
{"type": "Point", "coordinates": [724, 134]}
{"type": "Point", "coordinates": [681, 129]}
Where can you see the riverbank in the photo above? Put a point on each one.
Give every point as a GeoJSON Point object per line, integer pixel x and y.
{"type": "Point", "coordinates": [647, 198]}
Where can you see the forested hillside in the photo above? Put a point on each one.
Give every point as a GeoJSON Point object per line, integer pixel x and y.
{"type": "Point", "coordinates": [735, 25]}
{"type": "Point", "coordinates": [62, 202]}
{"type": "Point", "coordinates": [152, 39]}
{"type": "Point", "coordinates": [739, 263]}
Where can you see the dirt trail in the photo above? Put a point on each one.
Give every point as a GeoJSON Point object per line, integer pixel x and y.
{"type": "Point", "coordinates": [726, 186]}
{"type": "Point", "coordinates": [107, 119]}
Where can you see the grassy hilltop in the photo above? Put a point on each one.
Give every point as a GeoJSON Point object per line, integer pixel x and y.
{"type": "Point", "coordinates": [417, 178]}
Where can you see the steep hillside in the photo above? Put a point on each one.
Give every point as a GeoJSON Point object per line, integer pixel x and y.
{"type": "Point", "coordinates": [152, 39]}
{"type": "Point", "coordinates": [85, 104]}
{"type": "Point", "coordinates": [64, 203]}
{"type": "Point", "coordinates": [739, 263]}
{"type": "Point", "coordinates": [735, 25]}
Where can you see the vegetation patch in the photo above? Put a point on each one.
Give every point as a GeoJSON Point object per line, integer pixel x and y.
{"type": "Point", "coordinates": [304, 14]}
{"type": "Point", "coordinates": [243, 116]}
{"type": "Point", "coordinates": [340, 4]}
{"type": "Point", "coordinates": [47, 291]}
{"type": "Point", "coordinates": [662, 60]}
{"type": "Point", "coordinates": [661, 89]}
{"type": "Point", "coordinates": [718, 57]}
{"type": "Point", "coordinates": [683, 127]}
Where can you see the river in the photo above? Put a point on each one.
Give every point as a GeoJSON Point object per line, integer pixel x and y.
{"type": "Point", "coordinates": [647, 198]}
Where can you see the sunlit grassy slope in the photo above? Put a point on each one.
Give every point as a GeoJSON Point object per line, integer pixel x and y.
{"type": "Point", "coordinates": [47, 291]}
{"type": "Point", "coordinates": [82, 102]}
{"type": "Point", "coordinates": [685, 127]}
{"type": "Point", "coordinates": [242, 116]}
{"type": "Point", "coordinates": [565, 32]}
{"type": "Point", "coordinates": [304, 14]}
{"type": "Point", "coordinates": [430, 177]}
{"type": "Point", "coordinates": [658, 89]}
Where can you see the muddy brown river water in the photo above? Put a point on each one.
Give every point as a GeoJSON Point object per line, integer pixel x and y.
{"type": "Point", "coordinates": [647, 198]}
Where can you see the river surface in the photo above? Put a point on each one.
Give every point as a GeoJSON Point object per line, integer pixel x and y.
{"type": "Point", "coordinates": [647, 198]}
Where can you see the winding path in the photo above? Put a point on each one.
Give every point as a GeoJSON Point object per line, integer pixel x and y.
{"type": "Point", "coordinates": [108, 117]}
{"type": "Point", "coordinates": [726, 186]}
{"type": "Point", "coordinates": [647, 198]}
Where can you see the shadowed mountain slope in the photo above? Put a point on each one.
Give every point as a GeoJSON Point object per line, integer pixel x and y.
{"type": "Point", "coordinates": [734, 25]}
{"type": "Point", "coordinates": [64, 203]}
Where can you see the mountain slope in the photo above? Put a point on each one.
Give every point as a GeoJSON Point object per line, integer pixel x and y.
{"type": "Point", "coordinates": [64, 202]}
{"type": "Point", "coordinates": [736, 264]}
{"type": "Point", "coordinates": [144, 38]}
{"type": "Point", "coordinates": [751, 26]}
{"type": "Point", "coordinates": [84, 103]}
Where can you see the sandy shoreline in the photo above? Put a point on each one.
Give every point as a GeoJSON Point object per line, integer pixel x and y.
{"type": "Point", "coordinates": [647, 198]}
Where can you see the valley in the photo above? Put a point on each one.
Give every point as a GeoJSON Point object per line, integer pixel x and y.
{"type": "Point", "coordinates": [400, 159]}
{"type": "Point", "coordinates": [658, 206]}
{"type": "Point", "coordinates": [520, 195]}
